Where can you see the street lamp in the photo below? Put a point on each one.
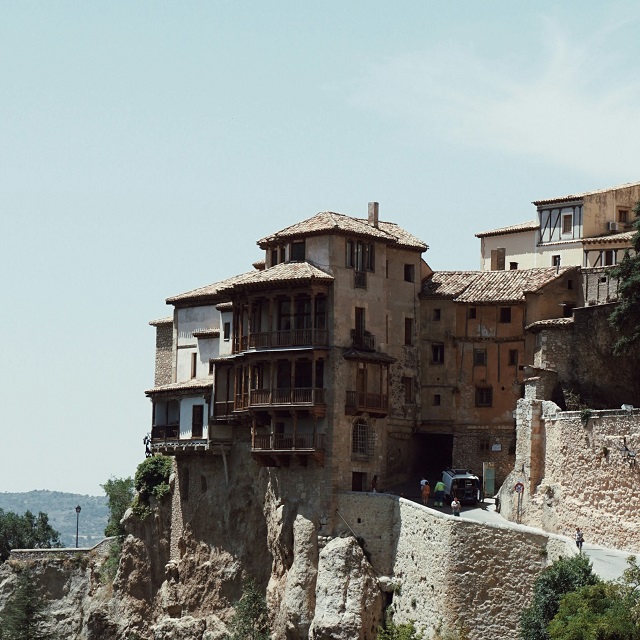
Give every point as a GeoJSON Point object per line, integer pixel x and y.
{"type": "Point", "coordinates": [77, 523]}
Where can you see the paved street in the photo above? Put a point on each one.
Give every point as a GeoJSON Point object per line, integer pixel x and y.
{"type": "Point", "coordinates": [607, 563]}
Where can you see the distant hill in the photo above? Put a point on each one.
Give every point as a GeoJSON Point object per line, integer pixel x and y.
{"type": "Point", "coordinates": [61, 509]}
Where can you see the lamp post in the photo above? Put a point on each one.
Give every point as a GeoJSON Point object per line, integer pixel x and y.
{"type": "Point", "coordinates": [77, 523]}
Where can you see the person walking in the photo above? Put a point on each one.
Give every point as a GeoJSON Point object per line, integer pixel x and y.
{"type": "Point", "coordinates": [438, 494]}
{"type": "Point", "coordinates": [579, 539]}
{"type": "Point", "coordinates": [455, 506]}
{"type": "Point", "coordinates": [426, 492]}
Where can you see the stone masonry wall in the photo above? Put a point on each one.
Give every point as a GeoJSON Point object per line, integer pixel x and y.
{"type": "Point", "coordinates": [450, 573]}
{"type": "Point", "coordinates": [164, 351]}
{"type": "Point", "coordinates": [576, 474]}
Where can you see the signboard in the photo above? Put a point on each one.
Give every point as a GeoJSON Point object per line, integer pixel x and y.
{"type": "Point", "coordinates": [519, 488]}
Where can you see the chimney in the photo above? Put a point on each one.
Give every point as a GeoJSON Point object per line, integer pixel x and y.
{"type": "Point", "coordinates": [373, 214]}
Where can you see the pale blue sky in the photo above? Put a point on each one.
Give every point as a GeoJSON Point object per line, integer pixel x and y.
{"type": "Point", "coordinates": [146, 146]}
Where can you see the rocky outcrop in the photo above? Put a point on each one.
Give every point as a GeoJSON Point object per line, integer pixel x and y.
{"type": "Point", "coordinates": [348, 600]}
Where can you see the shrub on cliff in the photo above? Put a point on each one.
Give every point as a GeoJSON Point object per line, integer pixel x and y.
{"type": "Point", "coordinates": [120, 495]}
{"type": "Point", "coordinates": [24, 615]}
{"type": "Point", "coordinates": [152, 477]}
{"type": "Point", "coordinates": [26, 532]}
{"type": "Point", "coordinates": [250, 620]}
{"type": "Point", "coordinates": [563, 576]}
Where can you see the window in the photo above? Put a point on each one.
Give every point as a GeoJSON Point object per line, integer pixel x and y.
{"type": "Point", "coordinates": [409, 272]}
{"type": "Point", "coordinates": [513, 357]}
{"type": "Point", "coordinates": [569, 284]}
{"type": "Point", "coordinates": [437, 315]}
{"type": "Point", "coordinates": [197, 418]}
{"type": "Point", "coordinates": [484, 396]}
{"type": "Point", "coordinates": [408, 331]}
{"type": "Point", "coordinates": [436, 400]}
{"type": "Point", "coordinates": [408, 390]}
{"type": "Point", "coordinates": [555, 261]}
{"type": "Point", "coordinates": [297, 251]}
{"type": "Point", "coordinates": [484, 445]}
{"type": "Point", "coordinates": [567, 223]}
{"type": "Point", "coordinates": [211, 366]}
{"type": "Point", "coordinates": [513, 266]}
{"type": "Point", "coordinates": [360, 255]}
{"type": "Point", "coordinates": [437, 353]}
{"type": "Point", "coordinates": [194, 365]}
{"type": "Point", "coordinates": [320, 321]}
{"type": "Point", "coordinates": [360, 440]}
{"type": "Point", "coordinates": [283, 254]}
{"type": "Point", "coordinates": [226, 331]}
{"type": "Point", "coordinates": [479, 357]}
{"type": "Point", "coordinates": [609, 257]}
{"type": "Point", "coordinates": [623, 216]}
{"type": "Point", "coordinates": [505, 314]}
{"type": "Point", "coordinates": [471, 314]}
{"type": "Point", "coordinates": [274, 257]}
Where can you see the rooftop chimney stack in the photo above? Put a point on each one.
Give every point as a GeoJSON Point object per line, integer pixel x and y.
{"type": "Point", "coordinates": [373, 214]}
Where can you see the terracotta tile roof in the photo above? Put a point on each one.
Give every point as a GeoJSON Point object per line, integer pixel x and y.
{"type": "Point", "coordinates": [259, 264]}
{"type": "Point", "coordinates": [614, 238]}
{"type": "Point", "coordinates": [206, 333]}
{"type": "Point", "coordinates": [580, 196]}
{"type": "Point", "coordinates": [550, 324]}
{"type": "Point", "coordinates": [284, 273]}
{"type": "Point", "coordinates": [167, 320]}
{"type": "Point", "coordinates": [337, 223]}
{"type": "Point", "coordinates": [186, 386]}
{"type": "Point", "coordinates": [532, 225]}
{"type": "Point", "coordinates": [224, 306]}
{"type": "Point", "coordinates": [488, 286]}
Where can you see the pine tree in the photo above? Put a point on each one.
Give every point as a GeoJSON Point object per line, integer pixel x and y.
{"type": "Point", "coordinates": [24, 616]}
{"type": "Point", "coordinates": [250, 620]}
{"type": "Point", "coordinates": [624, 318]}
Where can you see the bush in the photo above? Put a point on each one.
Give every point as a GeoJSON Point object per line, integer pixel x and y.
{"type": "Point", "coordinates": [120, 494]}
{"type": "Point", "coordinates": [26, 532]}
{"type": "Point", "coordinates": [563, 576]}
{"type": "Point", "coordinates": [152, 478]}
{"type": "Point", "coordinates": [250, 620]}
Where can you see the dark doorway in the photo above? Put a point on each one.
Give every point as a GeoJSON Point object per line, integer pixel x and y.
{"type": "Point", "coordinates": [358, 481]}
{"type": "Point", "coordinates": [432, 454]}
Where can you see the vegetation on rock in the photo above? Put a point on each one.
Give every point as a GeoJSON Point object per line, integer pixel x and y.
{"type": "Point", "coordinates": [563, 576]}
{"type": "Point", "coordinates": [151, 479]}
{"type": "Point", "coordinates": [250, 620]}
{"type": "Point", "coordinates": [624, 317]}
{"type": "Point", "coordinates": [24, 615]}
{"type": "Point", "coordinates": [120, 495]}
{"type": "Point", "coordinates": [26, 532]}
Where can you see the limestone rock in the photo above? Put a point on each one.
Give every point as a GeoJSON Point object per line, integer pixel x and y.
{"type": "Point", "coordinates": [348, 600]}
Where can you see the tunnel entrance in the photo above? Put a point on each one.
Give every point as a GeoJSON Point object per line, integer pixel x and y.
{"type": "Point", "coordinates": [432, 454]}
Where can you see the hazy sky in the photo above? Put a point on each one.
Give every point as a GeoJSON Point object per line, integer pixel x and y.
{"type": "Point", "coordinates": [146, 146]}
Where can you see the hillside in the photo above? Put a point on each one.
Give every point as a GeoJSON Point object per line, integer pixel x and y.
{"type": "Point", "coordinates": [61, 509]}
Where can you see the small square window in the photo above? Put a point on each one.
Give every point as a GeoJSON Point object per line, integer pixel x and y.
{"type": "Point", "coordinates": [555, 261]}
{"type": "Point", "coordinates": [409, 272]}
{"type": "Point", "coordinates": [297, 251]}
{"type": "Point", "coordinates": [437, 315]}
{"type": "Point", "coordinates": [623, 216]}
{"type": "Point", "coordinates": [472, 313]}
{"type": "Point", "coordinates": [513, 357]}
{"type": "Point", "coordinates": [569, 284]}
{"type": "Point", "coordinates": [513, 266]}
{"type": "Point", "coordinates": [437, 400]}
{"type": "Point", "coordinates": [567, 223]}
{"type": "Point", "coordinates": [505, 314]}
{"type": "Point", "coordinates": [479, 357]}
{"type": "Point", "coordinates": [484, 396]}
{"type": "Point", "coordinates": [437, 353]}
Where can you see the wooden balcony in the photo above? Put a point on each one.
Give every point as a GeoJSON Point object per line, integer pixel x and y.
{"type": "Point", "coordinates": [223, 411]}
{"type": "Point", "coordinates": [296, 397]}
{"type": "Point", "coordinates": [276, 450]}
{"type": "Point", "coordinates": [288, 338]}
{"type": "Point", "coordinates": [360, 401]}
{"type": "Point", "coordinates": [166, 439]}
{"type": "Point", "coordinates": [165, 432]}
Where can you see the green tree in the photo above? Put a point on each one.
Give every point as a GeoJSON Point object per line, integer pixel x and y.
{"type": "Point", "coordinates": [563, 576]}
{"type": "Point", "coordinates": [393, 631]}
{"type": "Point", "coordinates": [24, 615]}
{"type": "Point", "coordinates": [624, 317]}
{"type": "Point", "coordinates": [26, 532]}
{"type": "Point", "coordinates": [250, 620]}
{"type": "Point", "coordinates": [120, 494]}
{"type": "Point", "coordinates": [152, 477]}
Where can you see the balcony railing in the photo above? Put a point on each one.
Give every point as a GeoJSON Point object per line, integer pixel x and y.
{"type": "Point", "coordinates": [286, 338]}
{"type": "Point", "coordinates": [223, 410]}
{"type": "Point", "coordinates": [165, 432]}
{"type": "Point", "coordinates": [287, 442]}
{"type": "Point", "coordinates": [364, 341]}
{"type": "Point", "coordinates": [275, 397]}
{"type": "Point", "coordinates": [364, 401]}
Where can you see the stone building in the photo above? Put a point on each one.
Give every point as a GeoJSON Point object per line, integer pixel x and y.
{"type": "Point", "coordinates": [311, 360]}
{"type": "Point", "coordinates": [473, 347]}
{"type": "Point", "coordinates": [591, 229]}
